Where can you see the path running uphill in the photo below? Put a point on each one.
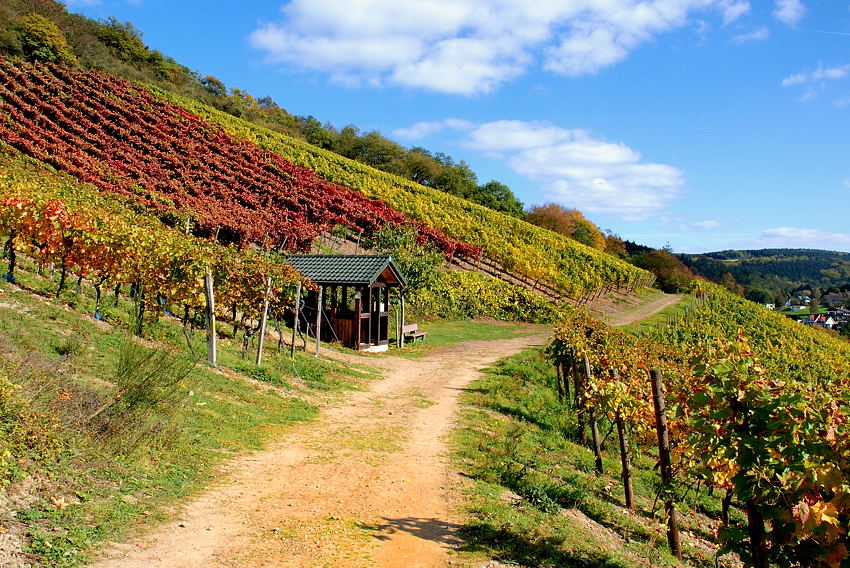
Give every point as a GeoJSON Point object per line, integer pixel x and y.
{"type": "Point", "coordinates": [636, 309]}
{"type": "Point", "coordinates": [367, 484]}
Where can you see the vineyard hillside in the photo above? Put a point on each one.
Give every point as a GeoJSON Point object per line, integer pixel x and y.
{"type": "Point", "coordinates": [757, 408]}
{"type": "Point", "coordinates": [245, 184]}
{"type": "Point", "coordinates": [120, 138]}
{"type": "Point", "coordinates": [516, 245]}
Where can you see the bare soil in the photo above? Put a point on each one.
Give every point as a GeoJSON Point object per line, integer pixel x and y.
{"type": "Point", "coordinates": [367, 484]}
{"type": "Point", "coordinates": [625, 309]}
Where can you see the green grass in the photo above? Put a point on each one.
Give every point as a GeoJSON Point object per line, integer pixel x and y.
{"type": "Point", "coordinates": [443, 333]}
{"type": "Point", "coordinates": [93, 480]}
{"type": "Point", "coordinates": [535, 499]}
{"type": "Point", "coordinates": [804, 312]}
{"type": "Point", "coordinates": [660, 318]}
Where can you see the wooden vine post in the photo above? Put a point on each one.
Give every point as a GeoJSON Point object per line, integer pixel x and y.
{"type": "Point", "coordinates": [579, 404]}
{"type": "Point", "coordinates": [319, 320]}
{"type": "Point", "coordinates": [558, 379]}
{"type": "Point", "coordinates": [666, 467]}
{"type": "Point", "coordinates": [263, 320]}
{"type": "Point", "coordinates": [398, 326]}
{"type": "Point", "coordinates": [403, 316]}
{"type": "Point", "coordinates": [625, 459]}
{"type": "Point", "coordinates": [296, 319]}
{"type": "Point", "coordinates": [208, 292]}
{"type": "Point", "coordinates": [10, 252]}
{"type": "Point", "coordinates": [594, 424]}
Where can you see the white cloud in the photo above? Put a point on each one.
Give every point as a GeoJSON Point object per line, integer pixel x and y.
{"type": "Point", "coordinates": [795, 79]}
{"type": "Point", "coordinates": [760, 34]}
{"type": "Point", "coordinates": [831, 73]}
{"type": "Point", "coordinates": [468, 47]}
{"type": "Point", "coordinates": [733, 10]}
{"type": "Point", "coordinates": [707, 224]}
{"type": "Point", "coordinates": [793, 237]}
{"type": "Point", "coordinates": [578, 170]}
{"type": "Point", "coordinates": [789, 11]}
{"type": "Point", "coordinates": [846, 182]}
{"type": "Point", "coordinates": [574, 168]}
{"type": "Point", "coordinates": [506, 135]}
{"type": "Point", "coordinates": [816, 82]}
{"type": "Point", "coordinates": [424, 129]}
{"type": "Point", "coordinates": [810, 95]}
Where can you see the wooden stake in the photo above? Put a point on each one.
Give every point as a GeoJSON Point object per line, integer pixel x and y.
{"type": "Point", "coordinates": [625, 459]}
{"type": "Point", "coordinates": [578, 404]}
{"type": "Point", "coordinates": [664, 457]}
{"type": "Point", "coordinates": [560, 384]}
{"type": "Point", "coordinates": [626, 462]}
{"type": "Point", "coordinates": [212, 358]}
{"type": "Point", "coordinates": [263, 321]}
{"type": "Point", "coordinates": [398, 327]}
{"type": "Point", "coordinates": [594, 425]}
{"type": "Point", "coordinates": [297, 318]}
{"type": "Point", "coordinates": [594, 432]}
{"type": "Point", "coordinates": [319, 320]}
{"type": "Point", "coordinates": [403, 314]}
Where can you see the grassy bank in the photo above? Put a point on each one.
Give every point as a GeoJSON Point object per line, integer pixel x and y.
{"type": "Point", "coordinates": [442, 333]}
{"type": "Point", "coordinates": [534, 498]}
{"type": "Point", "coordinates": [90, 446]}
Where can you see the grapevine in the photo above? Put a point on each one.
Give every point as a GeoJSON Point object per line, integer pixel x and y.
{"type": "Point", "coordinates": [761, 413]}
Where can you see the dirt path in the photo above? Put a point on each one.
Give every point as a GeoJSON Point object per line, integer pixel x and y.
{"type": "Point", "coordinates": [367, 484]}
{"type": "Point", "coordinates": [618, 315]}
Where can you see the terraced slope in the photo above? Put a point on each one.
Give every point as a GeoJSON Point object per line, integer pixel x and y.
{"type": "Point", "coordinates": [245, 184]}
{"type": "Point", "coordinates": [518, 247]}
{"type": "Point", "coordinates": [119, 137]}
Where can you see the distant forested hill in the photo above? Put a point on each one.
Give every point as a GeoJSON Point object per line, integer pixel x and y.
{"type": "Point", "coordinates": [770, 274]}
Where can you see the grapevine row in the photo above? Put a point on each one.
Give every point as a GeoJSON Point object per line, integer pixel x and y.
{"type": "Point", "coordinates": [122, 139]}
{"type": "Point", "coordinates": [57, 221]}
{"type": "Point", "coordinates": [519, 247]}
{"type": "Point", "coordinates": [760, 416]}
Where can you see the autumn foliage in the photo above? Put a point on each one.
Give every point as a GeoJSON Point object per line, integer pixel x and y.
{"type": "Point", "coordinates": [758, 410]}
{"type": "Point", "coordinates": [568, 222]}
{"type": "Point", "coordinates": [119, 137]}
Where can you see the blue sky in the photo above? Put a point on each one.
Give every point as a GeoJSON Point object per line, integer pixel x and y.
{"type": "Point", "coordinates": [702, 124]}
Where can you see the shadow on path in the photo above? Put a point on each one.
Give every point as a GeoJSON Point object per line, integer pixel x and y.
{"type": "Point", "coordinates": [434, 530]}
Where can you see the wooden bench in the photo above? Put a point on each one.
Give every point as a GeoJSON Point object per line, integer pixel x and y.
{"type": "Point", "coordinates": [412, 332]}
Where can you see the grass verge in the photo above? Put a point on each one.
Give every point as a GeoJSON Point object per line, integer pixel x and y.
{"type": "Point", "coordinates": [534, 498]}
{"type": "Point", "coordinates": [657, 319]}
{"type": "Point", "coordinates": [441, 333]}
{"type": "Point", "coordinates": [90, 450]}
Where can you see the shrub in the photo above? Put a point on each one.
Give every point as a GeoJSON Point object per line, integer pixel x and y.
{"type": "Point", "coordinates": [419, 263]}
{"type": "Point", "coordinates": [147, 377]}
{"type": "Point", "coordinates": [151, 385]}
{"type": "Point", "coordinates": [69, 346]}
{"type": "Point", "coordinates": [42, 40]}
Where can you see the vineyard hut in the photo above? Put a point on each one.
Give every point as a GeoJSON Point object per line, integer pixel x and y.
{"type": "Point", "coordinates": [354, 296]}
